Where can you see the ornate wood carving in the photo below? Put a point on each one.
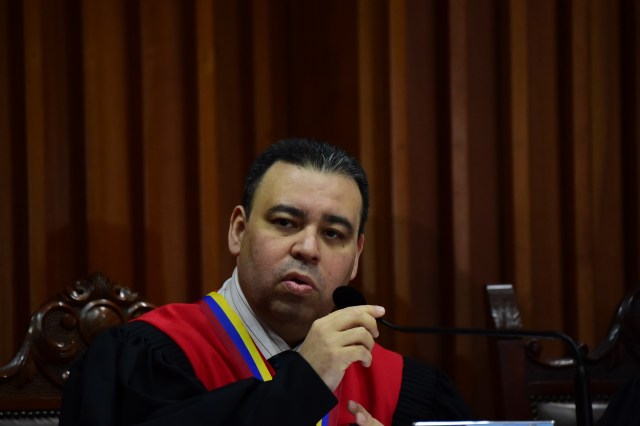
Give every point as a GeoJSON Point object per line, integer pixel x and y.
{"type": "Point", "coordinates": [60, 330]}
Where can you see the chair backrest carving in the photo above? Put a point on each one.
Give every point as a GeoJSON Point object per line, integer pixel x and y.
{"type": "Point", "coordinates": [59, 331]}
{"type": "Point", "coordinates": [530, 385]}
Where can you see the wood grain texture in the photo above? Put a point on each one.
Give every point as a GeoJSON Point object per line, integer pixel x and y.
{"type": "Point", "coordinates": [500, 137]}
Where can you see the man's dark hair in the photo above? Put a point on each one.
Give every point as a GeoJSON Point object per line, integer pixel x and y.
{"type": "Point", "coordinates": [311, 154]}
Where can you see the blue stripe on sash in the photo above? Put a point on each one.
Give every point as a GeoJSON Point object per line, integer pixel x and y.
{"type": "Point", "coordinates": [235, 336]}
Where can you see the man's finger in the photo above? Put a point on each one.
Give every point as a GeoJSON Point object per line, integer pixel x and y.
{"type": "Point", "coordinates": [357, 316]}
{"type": "Point", "coordinates": [362, 416]}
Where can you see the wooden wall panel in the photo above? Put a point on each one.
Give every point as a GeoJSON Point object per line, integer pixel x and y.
{"type": "Point", "coordinates": [211, 235]}
{"type": "Point", "coordinates": [544, 163]}
{"type": "Point", "coordinates": [270, 52]}
{"type": "Point", "coordinates": [578, 246]}
{"type": "Point", "coordinates": [460, 101]}
{"type": "Point", "coordinates": [399, 159]}
{"type": "Point", "coordinates": [484, 172]}
{"type": "Point", "coordinates": [630, 43]}
{"type": "Point", "coordinates": [517, 181]}
{"type": "Point", "coordinates": [427, 122]}
{"type": "Point", "coordinates": [500, 136]}
{"type": "Point", "coordinates": [108, 116]}
{"type": "Point", "coordinates": [322, 60]}
{"type": "Point", "coordinates": [235, 139]}
{"type": "Point", "coordinates": [374, 135]}
{"type": "Point", "coordinates": [606, 146]}
{"type": "Point", "coordinates": [35, 167]}
{"type": "Point", "coordinates": [167, 156]}
{"type": "Point", "coordinates": [9, 130]}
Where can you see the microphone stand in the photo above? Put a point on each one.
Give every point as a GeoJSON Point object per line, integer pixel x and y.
{"type": "Point", "coordinates": [584, 412]}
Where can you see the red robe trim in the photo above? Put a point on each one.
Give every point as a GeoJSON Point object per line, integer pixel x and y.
{"type": "Point", "coordinates": [216, 362]}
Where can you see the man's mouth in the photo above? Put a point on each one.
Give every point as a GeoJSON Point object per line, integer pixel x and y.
{"type": "Point", "coordinates": [298, 284]}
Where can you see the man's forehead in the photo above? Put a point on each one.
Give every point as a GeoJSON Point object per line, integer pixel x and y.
{"type": "Point", "coordinates": [283, 181]}
{"type": "Point", "coordinates": [280, 169]}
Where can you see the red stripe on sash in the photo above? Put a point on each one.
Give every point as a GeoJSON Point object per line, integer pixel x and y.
{"type": "Point", "coordinates": [214, 357]}
{"type": "Point", "coordinates": [377, 388]}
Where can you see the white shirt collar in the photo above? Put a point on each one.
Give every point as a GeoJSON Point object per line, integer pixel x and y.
{"type": "Point", "coordinates": [267, 341]}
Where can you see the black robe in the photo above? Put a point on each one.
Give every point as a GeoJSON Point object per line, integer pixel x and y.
{"type": "Point", "coordinates": [137, 375]}
{"type": "Point", "coordinates": [624, 407]}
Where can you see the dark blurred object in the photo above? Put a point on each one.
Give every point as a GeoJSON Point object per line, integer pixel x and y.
{"type": "Point", "coordinates": [528, 385]}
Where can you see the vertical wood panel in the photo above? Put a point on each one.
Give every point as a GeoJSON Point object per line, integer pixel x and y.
{"type": "Point", "coordinates": [485, 160]}
{"type": "Point", "coordinates": [579, 215]}
{"type": "Point", "coordinates": [270, 72]}
{"type": "Point", "coordinates": [107, 140]}
{"type": "Point", "coordinates": [235, 138]}
{"type": "Point", "coordinates": [606, 154]}
{"type": "Point", "coordinates": [7, 142]}
{"type": "Point", "coordinates": [165, 153]}
{"type": "Point", "coordinates": [13, 135]}
{"type": "Point", "coordinates": [486, 163]}
{"type": "Point", "coordinates": [374, 131]}
{"type": "Point", "coordinates": [67, 253]}
{"type": "Point", "coordinates": [546, 272]}
{"type": "Point", "coordinates": [36, 148]}
{"type": "Point", "coordinates": [460, 184]}
{"type": "Point", "coordinates": [485, 171]}
{"type": "Point", "coordinates": [399, 161]}
{"type": "Point", "coordinates": [54, 150]}
{"type": "Point", "coordinates": [208, 155]}
{"type": "Point", "coordinates": [519, 246]}
{"type": "Point", "coordinates": [323, 98]}
{"type": "Point", "coordinates": [630, 42]}
{"type": "Point", "coordinates": [428, 181]}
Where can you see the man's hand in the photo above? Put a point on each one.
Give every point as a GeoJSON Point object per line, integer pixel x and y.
{"type": "Point", "coordinates": [340, 338]}
{"type": "Point", "coordinates": [363, 418]}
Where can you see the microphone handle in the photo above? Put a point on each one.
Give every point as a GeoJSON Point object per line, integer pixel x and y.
{"type": "Point", "coordinates": [584, 412]}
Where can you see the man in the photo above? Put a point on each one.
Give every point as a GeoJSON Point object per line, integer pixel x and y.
{"type": "Point", "coordinates": [266, 349]}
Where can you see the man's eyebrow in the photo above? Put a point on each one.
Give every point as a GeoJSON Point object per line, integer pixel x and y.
{"type": "Point", "coordinates": [296, 212]}
{"type": "Point", "coordinates": [283, 208]}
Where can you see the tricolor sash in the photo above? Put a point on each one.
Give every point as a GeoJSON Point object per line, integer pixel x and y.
{"type": "Point", "coordinates": [237, 332]}
{"type": "Point", "coordinates": [221, 351]}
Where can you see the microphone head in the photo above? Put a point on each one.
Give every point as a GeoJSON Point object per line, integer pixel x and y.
{"type": "Point", "coordinates": [346, 296]}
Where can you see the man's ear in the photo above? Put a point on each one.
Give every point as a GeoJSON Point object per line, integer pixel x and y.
{"type": "Point", "coordinates": [237, 225]}
{"type": "Point", "coordinates": [354, 272]}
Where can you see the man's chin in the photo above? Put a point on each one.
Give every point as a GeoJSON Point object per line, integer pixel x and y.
{"type": "Point", "coordinates": [293, 316]}
{"type": "Point", "coordinates": [292, 328]}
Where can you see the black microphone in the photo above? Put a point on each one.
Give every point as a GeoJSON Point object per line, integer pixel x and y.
{"type": "Point", "coordinates": [346, 296]}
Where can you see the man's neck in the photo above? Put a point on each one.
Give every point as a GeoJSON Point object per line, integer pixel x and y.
{"type": "Point", "coordinates": [268, 341]}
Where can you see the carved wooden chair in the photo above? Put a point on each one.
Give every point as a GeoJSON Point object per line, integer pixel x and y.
{"type": "Point", "coordinates": [529, 385]}
{"type": "Point", "coordinates": [63, 327]}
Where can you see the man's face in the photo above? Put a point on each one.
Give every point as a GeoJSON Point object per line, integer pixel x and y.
{"type": "Point", "coordinates": [299, 245]}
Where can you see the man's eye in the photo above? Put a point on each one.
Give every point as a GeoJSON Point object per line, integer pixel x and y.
{"type": "Point", "coordinates": [283, 223]}
{"type": "Point", "coordinates": [333, 234]}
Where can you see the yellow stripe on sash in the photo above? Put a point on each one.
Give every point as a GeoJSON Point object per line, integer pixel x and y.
{"type": "Point", "coordinates": [244, 335]}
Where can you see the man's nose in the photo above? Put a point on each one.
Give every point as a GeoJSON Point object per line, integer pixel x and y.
{"type": "Point", "coordinates": [306, 246]}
